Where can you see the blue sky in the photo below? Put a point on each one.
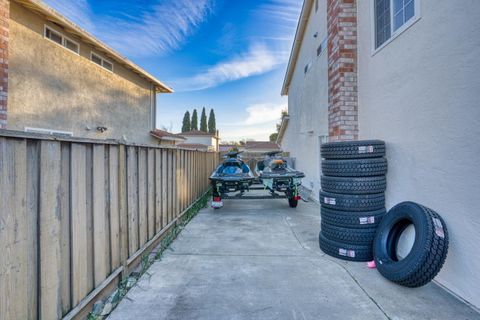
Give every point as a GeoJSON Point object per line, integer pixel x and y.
{"type": "Point", "coordinates": [229, 55]}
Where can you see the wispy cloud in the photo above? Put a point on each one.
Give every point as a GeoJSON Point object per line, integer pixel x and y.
{"type": "Point", "coordinates": [258, 124]}
{"type": "Point", "coordinates": [163, 27]}
{"type": "Point", "coordinates": [264, 113]}
{"type": "Point", "coordinates": [259, 59]}
{"type": "Point", "coordinates": [78, 11]}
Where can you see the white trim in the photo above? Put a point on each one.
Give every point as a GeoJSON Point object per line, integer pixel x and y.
{"type": "Point", "coordinates": [102, 59]}
{"type": "Point", "coordinates": [393, 34]}
{"type": "Point", "coordinates": [49, 131]}
{"type": "Point", "coordinates": [61, 35]}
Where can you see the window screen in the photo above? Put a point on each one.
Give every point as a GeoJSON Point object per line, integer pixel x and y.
{"type": "Point", "coordinates": [52, 35]}
{"type": "Point", "coordinates": [96, 59]}
{"type": "Point", "coordinates": [71, 46]}
{"type": "Point", "coordinates": [382, 22]}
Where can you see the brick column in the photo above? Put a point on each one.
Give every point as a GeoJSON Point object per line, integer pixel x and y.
{"type": "Point", "coordinates": [4, 35]}
{"type": "Point", "coordinates": [342, 70]}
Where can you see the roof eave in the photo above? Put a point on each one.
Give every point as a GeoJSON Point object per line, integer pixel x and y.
{"type": "Point", "coordinates": [299, 34]}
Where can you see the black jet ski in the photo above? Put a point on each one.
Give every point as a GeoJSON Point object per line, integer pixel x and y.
{"type": "Point", "coordinates": [276, 175]}
{"type": "Point", "coordinates": [233, 175]}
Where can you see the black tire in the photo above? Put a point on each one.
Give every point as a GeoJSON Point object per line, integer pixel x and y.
{"type": "Point", "coordinates": [345, 202]}
{"type": "Point", "coordinates": [429, 250]}
{"type": "Point", "coordinates": [347, 235]}
{"type": "Point", "coordinates": [345, 251]}
{"type": "Point", "coordinates": [292, 203]}
{"type": "Point", "coordinates": [353, 149]}
{"type": "Point", "coordinates": [355, 168]}
{"type": "Point", "coordinates": [352, 219]}
{"type": "Point", "coordinates": [347, 185]}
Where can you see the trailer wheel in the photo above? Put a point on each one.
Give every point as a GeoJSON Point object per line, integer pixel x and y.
{"type": "Point", "coordinates": [293, 203]}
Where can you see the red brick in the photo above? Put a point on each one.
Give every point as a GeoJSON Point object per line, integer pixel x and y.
{"type": "Point", "coordinates": [342, 69]}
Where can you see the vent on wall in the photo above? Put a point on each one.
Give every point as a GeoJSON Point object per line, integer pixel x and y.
{"type": "Point", "coordinates": [307, 67]}
{"type": "Point", "coordinates": [321, 48]}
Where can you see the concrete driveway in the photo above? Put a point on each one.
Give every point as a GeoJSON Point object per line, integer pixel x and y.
{"type": "Point", "coordinates": [260, 259]}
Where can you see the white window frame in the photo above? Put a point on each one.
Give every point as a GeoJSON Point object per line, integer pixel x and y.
{"type": "Point", "coordinates": [64, 37]}
{"type": "Point", "coordinates": [49, 131]}
{"type": "Point", "coordinates": [103, 59]}
{"type": "Point", "coordinates": [393, 34]}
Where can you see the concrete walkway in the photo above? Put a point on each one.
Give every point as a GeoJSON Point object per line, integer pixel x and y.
{"type": "Point", "coordinates": [260, 260]}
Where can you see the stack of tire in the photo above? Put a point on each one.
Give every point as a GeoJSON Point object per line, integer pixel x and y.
{"type": "Point", "coordinates": [352, 197]}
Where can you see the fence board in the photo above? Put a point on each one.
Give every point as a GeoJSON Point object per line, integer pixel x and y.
{"type": "Point", "coordinates": [79, 223]}
{"type": "Point", "coordinates": [32, 181]}
{"type": "Point", "coordinates": [170, 185]}
{"type": "Point", "coordinates": [132, 196]}
{"type": "Point", "coordinates": [158, 190]}
{"type": "Point", "coordinates": [123, 205]}
{"type": "Point", "coordinates": [14, 286]}
{"type": "Point", "coordinates": [113, 192]}
{"type": "Point", "coordinates": [100, 237]}
{"type": "Point", "coordinates": [50, 230]}
{"type": "Point", "coordinates": [90, 198]}
{"type": "Point", "coordinates": [142, 196]}
{"type": "Point", "coordinates": [164, 188]}
{"type": "Point", "coordinates": [64, 198]}
{"type": "Point", "coordinates": [151, 192]}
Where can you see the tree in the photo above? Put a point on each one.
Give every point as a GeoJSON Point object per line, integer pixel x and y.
{"type": "Point", "coordinates": [194, 122]}
{"type": "Point", "coordinates": [186, 122]}
{"type": "Point", "coordinates": [203, 121]}
{"type": "Point", "coordinates": [212, 125]}
{"type": "Point", "coordinates": [273, 137]}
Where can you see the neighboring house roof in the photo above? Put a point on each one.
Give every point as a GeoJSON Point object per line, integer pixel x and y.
{"type": "Point", "coordinates": [261, 145]}
{"type": "Point", "coordinates": [55, 17]}
{"type": "Point", "coordinates": [226, 147]}
{"type": "Point", "coordinates": [164, 135]}
{"type": "Point", "coordinates": [198, 133]}
{"type": "Point", "coordinates": [283, 127]}
{"type": "Point", "coordinates": [297, 43]}
{"type": "Point", "coordinates": [193, 146]}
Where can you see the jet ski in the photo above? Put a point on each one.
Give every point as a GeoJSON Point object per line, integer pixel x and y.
{"type": "Point", "coordinates": [233, 175]}
{"type": "Point", "coordinates": [277, 175]}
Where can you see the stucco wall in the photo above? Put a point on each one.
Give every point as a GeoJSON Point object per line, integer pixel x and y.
{"type": "Point", "coordinates": [53, 88]}
{"type": "Point", "coordinates": [308, 102]}
{"type": "Point", "coordinates": [420, 94]}
{"type": "Point", "coordinates": [206, 140]}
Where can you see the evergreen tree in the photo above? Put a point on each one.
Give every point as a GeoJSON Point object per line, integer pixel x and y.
{"type": "Point", "coordinates": [212, 125]}
{"type": "Point", "coordinates": [203, 121]}
{"type": "Point", "coordinates": [194, 122]}
{"type": "Point", "coordinates": [186, 122]}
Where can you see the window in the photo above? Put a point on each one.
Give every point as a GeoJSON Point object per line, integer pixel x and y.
{"type": "Point", "coordinates": [60, 39]}
{"type": "Point", "coordinates": [101, 61]}
{"type": "Point", "coordinates": [392, 17]}
{"type": "Point", "coordinates": [403, 10]}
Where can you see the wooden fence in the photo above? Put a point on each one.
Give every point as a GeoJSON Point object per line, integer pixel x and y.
{"type": "Point", "coordinates": [77, 216]}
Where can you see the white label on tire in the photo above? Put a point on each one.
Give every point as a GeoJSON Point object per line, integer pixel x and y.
{"type": "Point", "coordinates": [438, 228]}
{"type": "Point", "coordinates": [331, 201]}
{"type": "Point", "coordinates": [367, 220]}
{"type": "Point", "coordinates": [346, 253]}
{"type": "Point", "coordinates": [365, 149]}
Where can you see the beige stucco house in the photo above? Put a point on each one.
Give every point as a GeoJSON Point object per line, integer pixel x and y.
{"type": "Point", "coordinates": [166, 138]}
{"type": "Point", "coordinates": [407, 73]}
{"type": "Point", "coordinates": [61, 80]}
{"type": "Point", "coordinates": [196, 139]}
